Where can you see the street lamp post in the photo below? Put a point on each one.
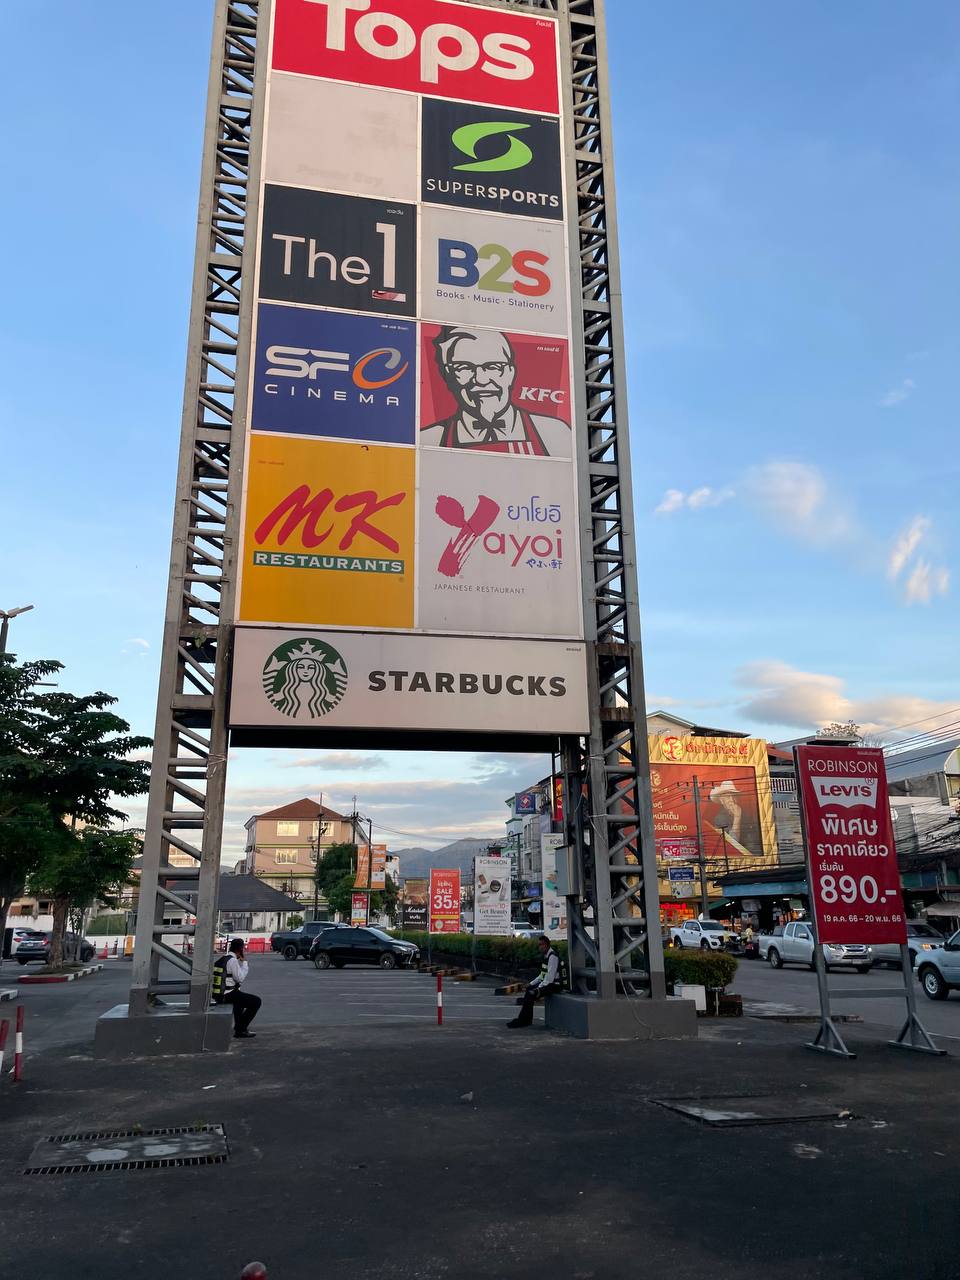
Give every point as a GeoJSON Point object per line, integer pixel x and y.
{"type": "Point", "coordinates": [5, 616]}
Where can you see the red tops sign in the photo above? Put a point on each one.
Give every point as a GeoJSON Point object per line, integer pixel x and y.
{"type": "Point", "coordinates": [851, 855]}
{"type": "Point", "coordinates": [423, 46]}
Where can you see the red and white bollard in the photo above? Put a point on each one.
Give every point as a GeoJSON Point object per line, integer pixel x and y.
{"type": "Point", "coordinates": [4, 1030]}
{"type": "Point", "coordinates": [18, 1047]}
{"type": "Point", "coordinates": [439, 1000]}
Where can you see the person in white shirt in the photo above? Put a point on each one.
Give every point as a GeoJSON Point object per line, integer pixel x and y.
{"type": "Point", "coordinates": [550, 979]}
{"type": "Point", "coordinates": [245, 1006]}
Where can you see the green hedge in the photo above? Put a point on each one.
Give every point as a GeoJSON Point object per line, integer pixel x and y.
{"type": "Point", "coordinates": [705, 968]}
{"type": "Point", "coordinates": [523, 952]}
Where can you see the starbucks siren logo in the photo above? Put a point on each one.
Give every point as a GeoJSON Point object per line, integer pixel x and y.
{"type": "Point", "coordinates": [304, 678]}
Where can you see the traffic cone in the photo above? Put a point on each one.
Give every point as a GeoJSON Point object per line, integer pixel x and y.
{"type": "Point", "coordinates": [104, 953]}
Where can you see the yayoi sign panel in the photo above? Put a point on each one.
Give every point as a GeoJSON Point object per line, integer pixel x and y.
{"type": "Point", "coordinates": [412, 307]}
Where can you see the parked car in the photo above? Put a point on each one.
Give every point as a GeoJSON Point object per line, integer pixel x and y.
{"type": "Point", "coordinates": [793, 944]}
{"type": "Point", "coordinates": [12, 938]}
{"type": "Point", "coordinates": [707, 935]}
{"type": "Point", "coordinates": [38, 948]}
{"type": "Point", "coordinates": [939, 969]}
{"type": "Point", "coordinates": [294, 944]}
{"type": "Point", "coordinates": [920, 937]}
{"type": "Point", "coordinates": [347, 944]}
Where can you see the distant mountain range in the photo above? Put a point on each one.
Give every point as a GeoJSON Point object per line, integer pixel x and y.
{"type": "Point", "coordinates": [416, 863]}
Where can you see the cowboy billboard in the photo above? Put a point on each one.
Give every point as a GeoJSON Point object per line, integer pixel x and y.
{"type": "Point", "coordinates": [736, 809]}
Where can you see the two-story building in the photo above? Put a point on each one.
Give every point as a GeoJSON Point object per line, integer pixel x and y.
{"type": "Point", "coordinates": [283, 844]}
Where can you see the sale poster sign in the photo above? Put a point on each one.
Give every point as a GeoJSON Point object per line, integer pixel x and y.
{"type": "Point", "coordinates": [444, 901]}
{"type": "Point", "coordinates": [358, 908]}
{"type": "Point", "coordinates": [491, 897]}
{"type": "Point", "coordinates": [492, 391]}
{"type": "Point", "coordinates": [851, 854]}
{"type": "Point", "coordinates": [554, 906]}
{"type": "Point", "coordinates": [362, 879]}
{"type": "Point", "coordinates": [329, 533]}
{"type": "Point", "coordinates": [446, 50]}
{"type": "Point", "coordinates": [498, 546]}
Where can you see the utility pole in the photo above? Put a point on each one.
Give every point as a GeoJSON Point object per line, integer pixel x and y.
{"type": "Point", "coordinates": [5, 616]}
{"type": "Point", "coordinates": [704, 901]}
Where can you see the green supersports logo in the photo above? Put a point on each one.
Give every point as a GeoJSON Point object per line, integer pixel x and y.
{"type": "Point", "coordinates": [516, 156]}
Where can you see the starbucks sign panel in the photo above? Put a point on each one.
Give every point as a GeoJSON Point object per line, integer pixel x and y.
{"type": "Point", "coordinates": [409, 557]}
{"type": "Point", "coordinates": [314, 680]}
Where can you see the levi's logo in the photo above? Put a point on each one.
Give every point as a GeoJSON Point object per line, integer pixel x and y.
{"type": "Point", "coordinates": [479, 54]}
{"type": "Point", "coordinates": [844, 793]}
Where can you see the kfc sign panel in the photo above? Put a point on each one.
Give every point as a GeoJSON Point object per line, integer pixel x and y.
{"type": "Point", "coordinates": [423, 46]}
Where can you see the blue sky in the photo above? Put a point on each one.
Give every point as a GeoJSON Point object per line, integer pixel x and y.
{"type": "Point", "coordinates": [788, 198]}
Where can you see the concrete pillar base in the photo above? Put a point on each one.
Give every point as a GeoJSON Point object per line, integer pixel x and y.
{"type": "Point", "coordinates": [167, 1030]}
{"type": "Point", "coordinates": [625, 1018]}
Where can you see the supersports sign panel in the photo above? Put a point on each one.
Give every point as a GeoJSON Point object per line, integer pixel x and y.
{"type": "Point", "coordinates": [412, 305]}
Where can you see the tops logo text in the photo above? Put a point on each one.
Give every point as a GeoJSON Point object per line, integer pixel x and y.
{"type": "Point", "coordinates": [473, 54]}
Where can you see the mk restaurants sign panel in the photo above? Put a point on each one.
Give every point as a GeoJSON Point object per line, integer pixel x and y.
{"type": "Point", "coordinates": [410, 549]}
{"type": "Point", "coordinates": [851, 854]}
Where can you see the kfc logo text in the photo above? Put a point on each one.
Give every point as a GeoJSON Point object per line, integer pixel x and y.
{"type": "Point", "coordinates": [473, 54]}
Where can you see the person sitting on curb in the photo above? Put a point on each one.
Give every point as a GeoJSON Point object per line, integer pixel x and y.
{"type": "Point", "coordinates": [245, 1006]}
{"type": "Point", "coordinates": [550, 979]}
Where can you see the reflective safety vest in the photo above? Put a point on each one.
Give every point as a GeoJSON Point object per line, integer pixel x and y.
{"type": "Point", "coordinates": [219, 988]}
{"type": "Point", "coordinates": [561, 968]}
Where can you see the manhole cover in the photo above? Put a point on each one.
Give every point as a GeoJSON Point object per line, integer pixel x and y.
{"type": "Point", "coordinates": [129, 1149]}
{"type": "Point", "coordinates": [726, 1110]}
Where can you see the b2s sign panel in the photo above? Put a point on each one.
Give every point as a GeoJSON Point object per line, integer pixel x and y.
{"type": "Point", "coordinates": [508, 273]}
{"type": "Point", "coordinates": [434, 47]}
{"type": "Point", "coordinates": [331, 250]}
{"type": "Point", "coordinates": [328, 533]}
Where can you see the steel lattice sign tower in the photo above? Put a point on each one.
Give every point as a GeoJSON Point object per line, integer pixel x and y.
{"type": "Point", "coordinates": [404, 511]}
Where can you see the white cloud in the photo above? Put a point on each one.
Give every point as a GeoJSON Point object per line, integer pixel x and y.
{"type": "Point", "coordinates": [926, 581]}
{"type": "Point", "coordinates": [137, 640]}
{"type": "Point", "coordinates": [795, 495]}
{"type": "Point", "coordinates": [906, 544]}
{"type": "Point", "coordinates": [897, 395]}
{"type": "Point", "coordinates": [676, 499]}
{"type": "Point", "coordinates": [785, 695]}
{"type": "Point", "coordinates": [334, 762]}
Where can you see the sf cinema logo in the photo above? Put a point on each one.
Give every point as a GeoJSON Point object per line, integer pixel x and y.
{"type": "Point", "coordinates": [341, 376]}
{"type": "Point", "coordinates": [474, 54]}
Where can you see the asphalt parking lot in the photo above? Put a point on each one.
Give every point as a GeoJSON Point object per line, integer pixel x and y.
{"type": "Point", "coordinates": [796, 986]}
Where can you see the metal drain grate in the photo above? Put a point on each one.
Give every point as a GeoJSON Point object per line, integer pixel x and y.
{"type": "Point", "coordinates": [109, 1150]}
{"type": "Point", "coordinates": [728, 1110]}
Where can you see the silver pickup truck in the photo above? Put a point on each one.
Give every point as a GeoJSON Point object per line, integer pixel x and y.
{"type": "Point", "coordinates": [793, 944]}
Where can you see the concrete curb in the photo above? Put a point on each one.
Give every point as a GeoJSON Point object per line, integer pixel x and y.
{"type": "Point", "coordinates": [38, 979]}
{"type": "Point", "coordinates": [8, 993]}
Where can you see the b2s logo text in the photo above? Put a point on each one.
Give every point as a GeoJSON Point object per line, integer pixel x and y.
{"type": "Point", "coordinates": [493, 268]}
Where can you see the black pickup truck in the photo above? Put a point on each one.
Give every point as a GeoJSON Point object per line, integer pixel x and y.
{"type": "Point", "coordinates": [295, 944]}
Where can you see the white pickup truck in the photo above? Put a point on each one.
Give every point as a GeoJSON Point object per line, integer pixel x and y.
{"type": "Point", "coordinates": [707, 935]}
{"type": "Point", "coordinates": [793, 944]}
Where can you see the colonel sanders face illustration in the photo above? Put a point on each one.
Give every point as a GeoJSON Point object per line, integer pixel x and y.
{"type": "Point", "coordinates": [479, 368]}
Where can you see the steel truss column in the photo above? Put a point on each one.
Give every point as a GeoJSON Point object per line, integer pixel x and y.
{"type": "Point", "coordinates": [615, 927]}
{"type": "Point", "coordinates": [185, 809]}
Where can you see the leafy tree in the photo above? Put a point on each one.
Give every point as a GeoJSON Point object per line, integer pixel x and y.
{"type": "Point", "coordinates": [333, 864]}
{"type": "Point", "coordinates": [89, 865]}
{"type": "Point", "coordinates": [339, 894]}
{"type": "Point", "coordinates": [385, 901]}
{"type": "Point", "coordinates": [62, 759]}
{"type": "Point", "coordinates": [294, 921]}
